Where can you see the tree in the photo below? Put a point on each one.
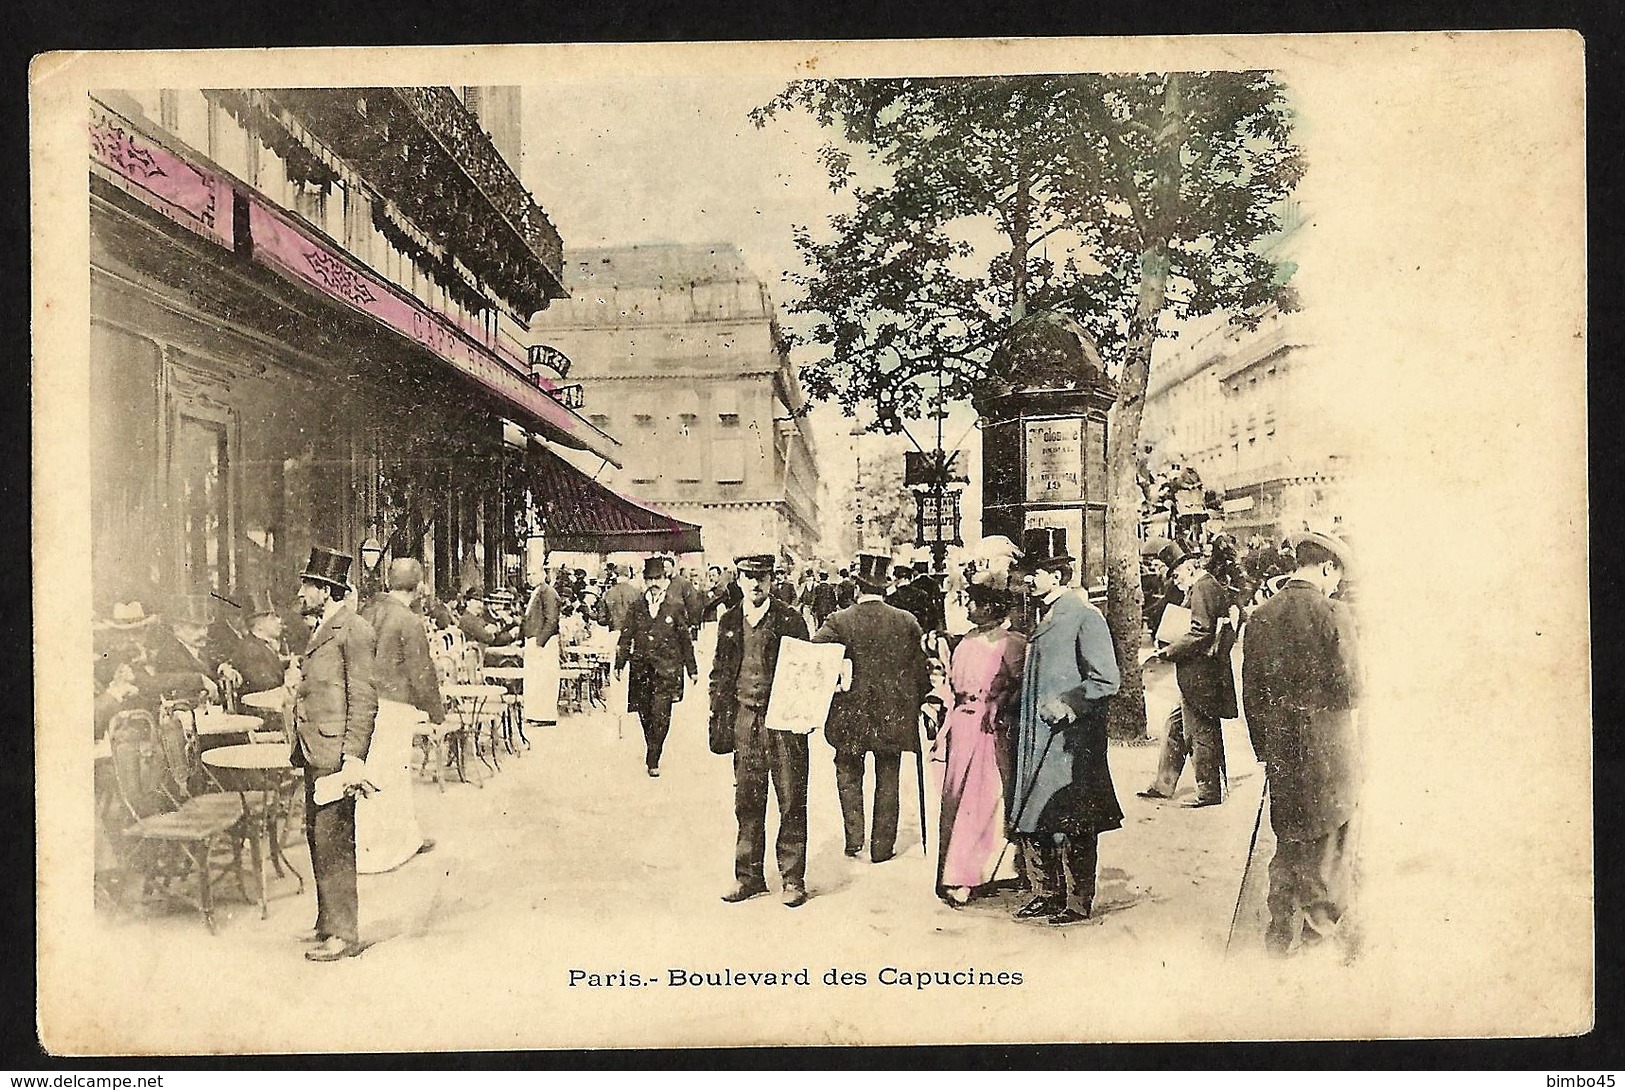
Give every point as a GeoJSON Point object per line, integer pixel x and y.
{"type": "Point", "coordinates": [1160, 190]}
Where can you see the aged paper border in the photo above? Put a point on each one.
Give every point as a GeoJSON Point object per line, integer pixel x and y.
{"type": "Point", "coordinates": [1447, 285]}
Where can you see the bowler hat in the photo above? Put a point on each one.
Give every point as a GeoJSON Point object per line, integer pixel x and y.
{"type": "Point", "coordinates": [1042, 546]}
{"type": "Point", "coordinates": [874, 570]}
{"type": "Point", "coordinates": [755, 564]}
{"type": "Point", "coordinates": [654, 567]}
{"type": "Point", "coordinates": [327, 566]}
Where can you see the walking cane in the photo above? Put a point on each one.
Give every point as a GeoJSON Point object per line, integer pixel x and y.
{"type": "Point", "coordinates": [1022, 805]}
{"type": "Point", "coordinates": [1252, 846]}
{"type": "Point", "coordinates": [919, 778]}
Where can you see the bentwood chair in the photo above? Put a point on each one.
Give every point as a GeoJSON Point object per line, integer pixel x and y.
{"type": "Point", "coordinates": [172, 834]}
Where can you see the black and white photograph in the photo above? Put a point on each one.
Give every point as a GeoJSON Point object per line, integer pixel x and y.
{"type": "Point", "coordinates": [1029, 541]}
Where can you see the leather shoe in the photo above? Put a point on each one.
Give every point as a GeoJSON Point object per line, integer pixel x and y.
{"type": "Point", "coordinates": [1152, 793]}
{"type": "Point", "coordinates": [334, 949]}
{"type": "Point", "coordinates": [794, 896]}
{"type": "Point", "coordinates": [1071, 915]}
{"type": "Point", "coordinates": [1040, 906]}
{"type": "Point", "coordinates": [744, 892]}
{"type": "Point", "coordinates": [1194, 803]}
{"type": "Point", "coordinates": [654, 773]}
{"type": "Point", "coordinates": [879, 858]}
{"type": "Point", "coordinates": [313, 937]}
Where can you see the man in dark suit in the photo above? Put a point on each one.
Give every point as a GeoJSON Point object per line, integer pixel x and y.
{"type": "Point", "coordinates": [880, 711]}
{"type": "Point", "coordinates": [656, 642]}
{"type": "Point", "coordinates": [741, 680]}
{"type": "Point", "coordinates": [1207, 688]}
{"type": "Point", "coordinates": [336, 712]}
{"type": "Point", "coordinates": [682, 590]}
{"type": "Point", "coordinates": [1300, 684]}
{"type": "Point", "coordinates": [824, 600]}
{"type": "Point", "coordinates": [477, 625]}
{"type": "Point", "coordinates": [258, 656]}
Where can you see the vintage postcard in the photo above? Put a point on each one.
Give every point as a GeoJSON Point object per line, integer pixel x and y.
{"type": "Point", "coordinates": [1164, 460]}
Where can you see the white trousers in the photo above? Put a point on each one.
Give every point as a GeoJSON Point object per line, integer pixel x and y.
{"type": "Point", "coordinates": [386, 822]}
{"type": "Point", "coordinates": [541, 682]}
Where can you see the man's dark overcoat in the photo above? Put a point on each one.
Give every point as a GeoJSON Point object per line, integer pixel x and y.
{"type": "Point", "coordinates": [1300, 683]}
{"type": "Point", "coordinates": [781, 620]}
{"type": "Point", "coordinates": [1205, 678]}
{"type": "Point", "coordinates": [659, 650]}
{"type": "Point", "coordinates": [890, 679]}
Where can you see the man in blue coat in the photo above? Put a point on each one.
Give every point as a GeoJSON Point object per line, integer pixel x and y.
{"type": "Point", "coordinates": [1063, 796]}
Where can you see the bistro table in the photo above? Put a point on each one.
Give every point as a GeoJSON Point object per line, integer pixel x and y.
{"type": "Point", "coordinates": [270, 700]}
{"type": "Point", "coordinates": [213, 721]}
{"type": "Point", "coordinates": [469, 702]}
{"type": "Point", "coordinates": [268, 769]}
{"type": "Point", "coordinates": [512, 679]}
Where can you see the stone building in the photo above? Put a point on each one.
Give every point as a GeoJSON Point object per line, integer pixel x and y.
{"type": "Point", "coordinates": [304, 307]}
{"type": "Point", "coordinates": [679, 353]}
{"type": "Point", "coordinates": [1248, 410]}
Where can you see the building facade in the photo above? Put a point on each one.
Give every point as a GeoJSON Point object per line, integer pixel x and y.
{"type": "Point", "coordinates": [679, 353]}
{"type": "Point", "coordinates": [1247, 409]}
{"type": "Point", "coordinates": [305, 310]}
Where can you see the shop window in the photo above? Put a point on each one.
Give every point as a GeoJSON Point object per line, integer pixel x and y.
{"type": "Point", "coordinates": [198, 468]}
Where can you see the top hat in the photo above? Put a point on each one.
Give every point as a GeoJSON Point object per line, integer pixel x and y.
{"type": "Point", "coordinates": [1042, 546]}
{"type": "Point", "coordinates": [259, 604]}
{"type": "Point", "coordinates": [874, 570]}
{"type": "Point", "coordinates": [193, 609]}
{"type": "Point", "coordinates": [327, 566]}
{"type": "Point", "coordinates": [126, 616]}
{"type": "Point", "coordinates": [922, 567]}
{"type": "Point", "coordinates": [1173, 555]}
{"type": "Point", "coordinates": [755, 564]}
{"type": "Point", "coordinates": [654, 567]}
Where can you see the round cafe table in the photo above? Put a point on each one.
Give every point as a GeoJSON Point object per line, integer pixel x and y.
{"type": "Point", "coordinates": [271, 700]}
{"type": "Point", "coordinates": [469, 703]}
{"type": "Point", "coordinates": [266, 768]}
{"type": "Point", "coordinates": [213, 721]}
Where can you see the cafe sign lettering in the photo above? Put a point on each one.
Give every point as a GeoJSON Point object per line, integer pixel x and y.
{"type": "Point", "coordinates": [1055, 460]}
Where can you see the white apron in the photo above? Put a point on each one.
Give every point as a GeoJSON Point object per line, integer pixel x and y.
{"type": "Point", "coordinates": [386, 822]}
{"type": "Point", "coordinates": [541, 681]}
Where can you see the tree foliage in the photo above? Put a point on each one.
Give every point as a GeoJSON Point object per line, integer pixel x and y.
{"type": "Point", "coordinates": [1061, 171]}
{"type": "Point", "coordinates": [1121, 200]}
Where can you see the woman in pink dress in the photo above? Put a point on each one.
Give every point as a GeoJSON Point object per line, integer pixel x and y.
{"type": "Point", "coordinates": [973, 745]}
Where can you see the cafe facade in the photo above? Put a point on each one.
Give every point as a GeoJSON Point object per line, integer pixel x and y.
{"type": "Point", "coordinates": [307, 312]}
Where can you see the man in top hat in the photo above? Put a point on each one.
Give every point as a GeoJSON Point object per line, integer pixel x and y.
{"type": "Point", "coordinates": [258, 655]}
{"type": "Point", "coordinates": [822, 599]}
{"type": "Point", "coordinates": [1063, 796]}
{"type": "Point", "coordinates": [1300, 686]}
{"type": "Point", "coordinates": [928, 598]}
{"type": "Point", "coordinates": [747, 655]}
{"type": "Point", "coordinates": [1207, 688]}
{"type": "Point", "coordinates": [180, 649]}
{"type": "Point", "coordinates": [656, 642]}
{"type": "Point", "coordinates": [880, 712]}
{"type": "Point", "coordinates": [336, 712]}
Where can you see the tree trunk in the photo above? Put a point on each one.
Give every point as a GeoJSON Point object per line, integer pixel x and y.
{"type": "Point", "coordinates": [1020, 225]}
{"type": "Point", "coordinates": [1124, 602]}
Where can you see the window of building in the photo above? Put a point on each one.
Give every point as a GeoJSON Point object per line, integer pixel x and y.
{"type": "Point", "coordinates": [199, 468]}
{"type": "Point", "coordinates": [643, 420]}
{"type": "Point", "coordinates": [728, 460]}
{"type": "Point", "coordinates": [728, 420]}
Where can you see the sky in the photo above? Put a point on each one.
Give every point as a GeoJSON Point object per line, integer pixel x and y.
{"type": "Point", "coordinates": [677, 159]}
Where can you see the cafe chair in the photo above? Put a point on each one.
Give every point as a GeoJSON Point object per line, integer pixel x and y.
{"type": "Point", "coordinates": [171, 833]}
